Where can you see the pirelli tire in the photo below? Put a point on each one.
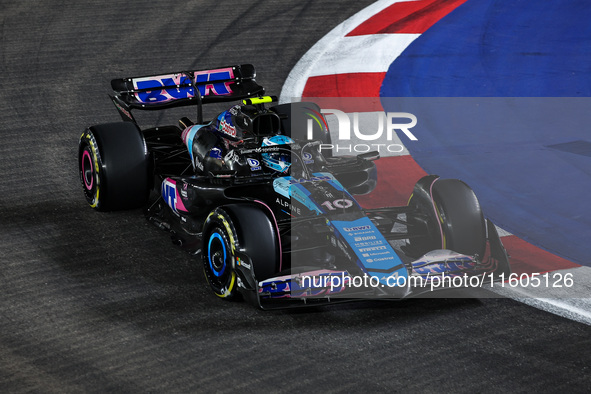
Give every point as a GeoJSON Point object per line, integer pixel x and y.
{"type": "Point", "coordinates": [114, 166]}
{"type": "Point", "coordinates": [232, 228]}
{"type": "Point", "coordinates": [453, 216]}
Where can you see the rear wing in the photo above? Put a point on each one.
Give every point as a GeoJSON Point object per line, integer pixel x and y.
{"type": "Point", "coordinates": [178, 89]}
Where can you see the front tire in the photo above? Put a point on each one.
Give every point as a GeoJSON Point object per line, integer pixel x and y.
{"type": "Point", "coordinates": [461, 217]}
{"type": "Point", "coordinates": [238, 227]}
{"type": "Point", "coordinates": [451, 214]}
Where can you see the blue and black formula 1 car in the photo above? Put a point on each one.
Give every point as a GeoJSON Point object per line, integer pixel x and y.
{"type": "Point", "coordinates": [273, 218]}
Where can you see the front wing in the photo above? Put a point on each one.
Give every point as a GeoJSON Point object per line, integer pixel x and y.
{"type": "Point", "coordinates": [435, 271]}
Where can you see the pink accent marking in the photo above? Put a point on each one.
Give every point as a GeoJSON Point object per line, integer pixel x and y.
{"type": "Point", "coordinates": [84, 156]}
{"type": "Point", "coordinates": [178, 205]}
{"type": "Point", "coordinates": [185, 134]}
{"type": "Point", "coordinates": [278, 234]}
{"type": "Point", "coordinates": [210, 87]}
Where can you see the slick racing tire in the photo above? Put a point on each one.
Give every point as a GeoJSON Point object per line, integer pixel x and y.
{"type": "Point", "coordinates": [453, 217]}
{"type": "Point", "coordinates": [232, 228]}
{"type": "Point", "coordinates": [114, 166]}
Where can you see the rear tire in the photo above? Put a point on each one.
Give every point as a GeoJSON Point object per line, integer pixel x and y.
{"type": "Point", "coordinates": [114, 166]}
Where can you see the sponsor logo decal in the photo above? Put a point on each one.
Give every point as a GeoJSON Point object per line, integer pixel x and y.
{"type": "Point", "coordinates": [366, 238]}
{"type": "Point", "coordinates": [170, 196]}
{"type": "Point", "coordinates": [358, 228]}
{"type": "Point", "coordinates": [287, 205]}
{"type": "Point", "coordinates": [227, 128]}
{"type": "Point", "coordinates": [169, 193]}
{"type": "Point", "coordinates": [254, 164]}
{"type": "Point", "coordinates": [170, 87]}
{"type": "Point", "coordinates": [313, 179]}
{"type": "Point", "coordinates": [369, 245]}
{"type": "Point", "coordinates": [215, 153]}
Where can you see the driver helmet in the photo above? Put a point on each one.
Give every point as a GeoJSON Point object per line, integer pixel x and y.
{"type": "Point", "coordinates": [278, 161]}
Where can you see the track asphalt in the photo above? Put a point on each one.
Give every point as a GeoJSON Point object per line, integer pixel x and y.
{"type": "Point", "coordinates": [95, 302]}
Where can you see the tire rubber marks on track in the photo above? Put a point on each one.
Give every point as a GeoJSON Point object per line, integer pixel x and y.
{"type": "Point", "coordinates": [410, 17]}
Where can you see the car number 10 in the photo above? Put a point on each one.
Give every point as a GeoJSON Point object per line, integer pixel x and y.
{"type": "Point", "coordinates": [341, 203]}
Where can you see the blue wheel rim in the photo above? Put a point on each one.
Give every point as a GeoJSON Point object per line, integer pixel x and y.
{"type": "Point", "coordinates": [215, 271]}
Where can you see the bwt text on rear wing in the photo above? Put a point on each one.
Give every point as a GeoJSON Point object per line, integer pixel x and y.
{"type": "Point", "coordinates": [178, 89]}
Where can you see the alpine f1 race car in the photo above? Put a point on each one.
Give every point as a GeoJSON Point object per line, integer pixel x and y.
{"type": "Point", "coordinates": [273, 217]}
